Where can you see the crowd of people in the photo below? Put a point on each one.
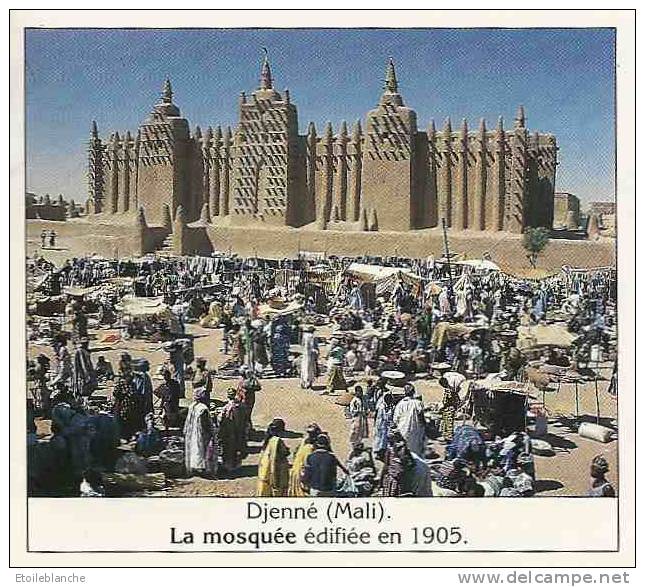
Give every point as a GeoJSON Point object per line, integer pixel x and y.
{"type": "Point", "coordinates": [371, 340]}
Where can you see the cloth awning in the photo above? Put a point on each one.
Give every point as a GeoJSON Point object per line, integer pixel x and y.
{"type": "Point", "coordinates": [265, 310]}
{"type": "Point", "coordinates": [479, 264]}
{"type": "Point", "coordinates": [368, 272]}
{"type": "Point", "coordinates": [78, 292]}
{"type": "Point", "coordinates": [144, 307]}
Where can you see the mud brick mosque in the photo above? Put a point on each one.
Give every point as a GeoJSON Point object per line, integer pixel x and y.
{"type": "Point", "coordinates": [385, 174]}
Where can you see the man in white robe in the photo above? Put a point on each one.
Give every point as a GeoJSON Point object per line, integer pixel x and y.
{"type": "Point", "coordinates": [409, 420]}
{"type": "Point", "coordinates": [309, 358]}
{"type": "Point", "coordinates": [200, 437]}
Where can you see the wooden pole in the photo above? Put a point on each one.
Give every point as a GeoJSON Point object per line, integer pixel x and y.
{"type": "Point", "coordinates": [595, 380]}
{"type": "Point", "coordinates": [451, 293]}
{"type": "Point", "coordinates": [577, 403]}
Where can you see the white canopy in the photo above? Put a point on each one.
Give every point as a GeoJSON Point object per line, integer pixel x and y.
{"type": "Point", "coordinates": [378, 272]}
{"type": "Point", "coordinates": [143, 306]}
{"type": "Point", "coordinates": [480, 264]}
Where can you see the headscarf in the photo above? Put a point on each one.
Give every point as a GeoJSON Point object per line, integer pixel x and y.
{"type": "Point", "coordinates": [276, 427]}
{"type": "Point", "coordinates": [452, 380]}
{"type": "Point", "coordinates": [322, 441]}
{"type": "Point", "coordinates": [201, 395]}
{"type": "Point", "coordinates": [599, 465]}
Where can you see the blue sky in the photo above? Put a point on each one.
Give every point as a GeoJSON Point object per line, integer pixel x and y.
{"type": "Point", "coordinates": [564, 78]}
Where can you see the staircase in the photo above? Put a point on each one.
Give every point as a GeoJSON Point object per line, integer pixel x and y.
{"type": "Point", "coordinates": [166, 249]}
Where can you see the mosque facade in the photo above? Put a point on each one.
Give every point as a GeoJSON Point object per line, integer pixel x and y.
{"type": "Point", "coordinates": [382, 174]}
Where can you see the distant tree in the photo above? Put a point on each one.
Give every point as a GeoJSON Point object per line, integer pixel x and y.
{"type": "Point", "coordinates": [535, 239]}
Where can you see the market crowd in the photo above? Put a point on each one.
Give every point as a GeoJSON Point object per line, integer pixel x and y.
{"type": "Point", "coordinates": [362, 331]}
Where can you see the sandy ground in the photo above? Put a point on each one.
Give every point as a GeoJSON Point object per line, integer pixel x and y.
{"type": "Point", "coordinates": [565, 473]}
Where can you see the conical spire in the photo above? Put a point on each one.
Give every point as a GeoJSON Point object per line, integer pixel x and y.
{"type": "Point", "coordinates": [363, 219]}
{"type": "Point", "coordinates": [180, 216]}
{"type": "Point", "coordinates": [141, 217]}
{"type": "Point", "coordinates": [198, 132]}
{"type": "Point", "coordinates": [209, 134]}
{"type": "Point", "coordinates": [205, 216]}
{"type": "Point", "coordinates": [447, 126]}
{"type": "Point", "coordinates": [266, 81]}
{"type": "Point", "coordinates": [391, 85]}
{"type": "Point", "coordinates": [431, 129]}
{"type": "Point", "coordinates": [166, 94]}
{"type": "Point", "coordinates": [482, 126]}
{"type": "Point", "coordinates": [311, 135]}
{"type": "Point", "coordinates": [329, 133]}
{"type": "Point", "coordinates": [343, 129]}
{"type": "Point", "coordinates": [464, 127]}
{"type": "Point", "coordinates": [94, 133]}
{"type": "Point", "coordinates": [520, 118]}
{"type": "Point", "coordinates": [373, 220]}
{"type": "Point", "coordinates": [218, 133]}
{"type": "Point", "coordinates": [593, 229]}
{"type": "Point", "coordinates": [357, 131]}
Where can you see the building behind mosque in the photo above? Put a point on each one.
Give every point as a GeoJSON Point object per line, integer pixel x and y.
{"type": "Point", "coordinates": [385, 173]}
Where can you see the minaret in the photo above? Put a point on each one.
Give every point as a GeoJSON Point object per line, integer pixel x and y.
{"type": "Point", "coordinates": [389, 151]}
{"type": "Point", "coordinates": [328, 173]}
{"type": "Point", "coordinates": [95, 184]}
{"type": "Point", "coordinates": [214, 167]}
{"type": "Point", "coordinates": [201, 153]}
{"type": "Point", "coordinates": [166, 94]}
{"type": "Point", "coordinates": [310, 211]}
{"type": "Point", "coordinates": [134, 185]}
{"type": "Point", "coordinates": [499, 171]}
{"type": "Point", "coordinates": [165, 157]}
{"type": "Point", "coordinates": [342, 168]}
{"type": "Point", "coordinates": [514, 220]}
{"type": "Point", "coordinates": [391, 94]}
{"type": "Point", "coordinates": [266, 80]}
{"type": "Point", "coordinates": [431, 192]}
{"type": "Point", "coordinates": [391, 85]}
{"type": "Point", "coordinates": [461, 203]}
{"type": "Point", "coordinates": [520, 118]}
{"type": "Point", "coordinates": [114, 184]}
{"type": "Point", "coordinates": [357, 172]}
{"type": "Point", "coordinates": [225, 173]}
{"type": "Point", "coordinates": [445, 194]}
{"type": "Point", "coordinates": [125, 196]}
{"type": "Point", "coordinates": [479, 199]}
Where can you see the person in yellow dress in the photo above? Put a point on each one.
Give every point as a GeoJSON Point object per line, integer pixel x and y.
{"type": "Point", "coordinates": [273, 470]}
{"type": "Point", "coordinates": [304, 450]}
